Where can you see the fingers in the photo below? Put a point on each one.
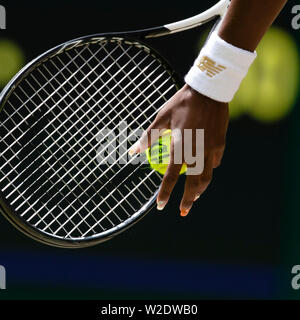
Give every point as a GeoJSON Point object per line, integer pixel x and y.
{"type": "Point", "coordinates": [169, 180]}
{"type": "Point", "coordinates": [191, 191]}
{"type": "Point", "coordinates": [149, 136]}
{"type": "Point", "coordinates": [195, 185]}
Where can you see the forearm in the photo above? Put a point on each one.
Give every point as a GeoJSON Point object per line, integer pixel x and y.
{"type": "Point", "coordinates": [247, 21]}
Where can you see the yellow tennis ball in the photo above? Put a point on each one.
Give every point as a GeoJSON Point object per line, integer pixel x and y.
{"type": "Point", "coordinates": [270, 90]}
{"type": "Point", "coordinates": [11, 60]}
{"type": "Point", "coordinates": [158, 155]}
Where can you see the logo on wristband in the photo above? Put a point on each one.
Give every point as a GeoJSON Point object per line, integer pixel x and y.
{"type": "Point", "coordinates": [210, 67]}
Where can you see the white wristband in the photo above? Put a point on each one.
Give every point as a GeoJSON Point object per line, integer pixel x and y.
{"type": "Point", "coordinates": [219, 69]}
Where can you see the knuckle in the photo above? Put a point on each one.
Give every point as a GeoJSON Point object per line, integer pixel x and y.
{"type": "Point", "coordinates": [164, 194]}
{"type": "Point", "coordinates": [206, 179]}
{"type": "Point", "coordinates": [171, 177]}
{"type": "Point", "coordinates": [220, 145]}
{"type": "Point", "coordinates": [194, 184]}
{"type": "Point", "coordinates": [217, 164]}
{"type": "Point", "coordinates": [187, 204]}
{"type": "Point", "coordinates": [216, 145]}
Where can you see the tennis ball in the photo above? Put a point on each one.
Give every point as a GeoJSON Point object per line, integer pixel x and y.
{"type": "Point", "coordinates": [158, 155]}
{"type": "Point", "coordinates": [11, 60]}
{"type": "Point", "coordinates": [270, 89]}
{"type": "Point", "coordinates": [278, 66]}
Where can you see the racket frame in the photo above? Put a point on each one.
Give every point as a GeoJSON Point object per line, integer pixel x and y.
{"type": "Point", "coordinates": [9, 212]}
{"type": "Point", "coordinates": [217, 11]}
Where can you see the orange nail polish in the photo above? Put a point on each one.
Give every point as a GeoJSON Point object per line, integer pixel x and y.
{"type": "Point", "coordinates": [184, 213]}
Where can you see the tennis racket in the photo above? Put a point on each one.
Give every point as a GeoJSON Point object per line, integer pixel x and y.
{"type": "Point", "coordinates": [52, 186]}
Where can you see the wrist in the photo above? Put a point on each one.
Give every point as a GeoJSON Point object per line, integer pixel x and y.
{"type": "Point", "coordinates": [193, 97]}
{"type": "Point", "coordinates": [219, 69]}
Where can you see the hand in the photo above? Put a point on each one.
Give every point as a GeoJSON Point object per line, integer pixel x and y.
{"type": "Point", "coordinates": [188, 109]}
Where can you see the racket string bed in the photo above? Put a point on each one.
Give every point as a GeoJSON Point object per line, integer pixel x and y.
{"type": "Point", "coordinates": [67, 120]}
{"type": "Point", "coordinates": [74, 166]}
{"type": "Point", "coordinates": [50, 174]}
{"type": "Point", "coordinates": [26, 200]}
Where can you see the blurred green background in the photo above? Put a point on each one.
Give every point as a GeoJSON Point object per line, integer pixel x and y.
{"type": "Point", "coordinates": [241, 238]}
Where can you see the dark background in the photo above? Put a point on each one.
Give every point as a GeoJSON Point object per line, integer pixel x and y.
{"type": "Point", "coordinates": [241, 238]}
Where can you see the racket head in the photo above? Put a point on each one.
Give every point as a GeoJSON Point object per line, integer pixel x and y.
{"type": "Point", "coordinates": [25, 178]}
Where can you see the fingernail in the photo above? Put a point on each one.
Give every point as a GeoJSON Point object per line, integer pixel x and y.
{"type": "Point", "coordinates": [134, 149]}
{"type": "Point", "coordinates": [197, 197]}
{"type": "Point", "coordinates": [131, 152]}
{"type": "Point", "coordinates": [161, 205]}
{"type": "Point", "coordinates": [184, 212]}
